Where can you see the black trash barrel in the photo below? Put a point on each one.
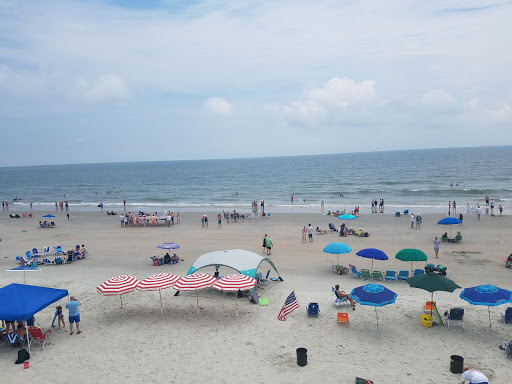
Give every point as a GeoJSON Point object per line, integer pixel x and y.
{"type": "Point", "coordinates": [456, 364]}
{"type": "Point", "coordinates": [302, 357]}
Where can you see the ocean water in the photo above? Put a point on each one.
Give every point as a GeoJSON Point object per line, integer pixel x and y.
{"type": "Point", "coordinates": [423, 180]}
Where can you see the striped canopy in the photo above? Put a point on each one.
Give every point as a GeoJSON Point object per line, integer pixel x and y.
{"type": "Point", "coordinates": [232, 283]}
{"type": "Point", "coordinates": [157, 282]}
{"type": "Point", "coordinates": [194, 282]}
{"type": "Point", "coordinates": [118, 285]}
{"type": "Point", "coordinates": [168, 245]}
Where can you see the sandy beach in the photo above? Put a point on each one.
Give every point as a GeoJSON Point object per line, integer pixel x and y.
{"type": "Point", "coordinates": [140, 344]}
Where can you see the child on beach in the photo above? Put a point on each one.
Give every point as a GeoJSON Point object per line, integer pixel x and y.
{"type": "Point", "coordinates": [60, 316]}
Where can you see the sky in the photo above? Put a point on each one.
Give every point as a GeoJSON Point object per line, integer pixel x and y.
{"type": "Point", "coordinates": [113, 81]}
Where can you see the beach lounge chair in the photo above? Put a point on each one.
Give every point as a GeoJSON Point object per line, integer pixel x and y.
{"type": "Point", "coordinates": [390, 276]}
{"type": "Point", "coordinates": [58, 250]}
{"type": "Point", "coordinates": [458, 238]}
{"type": "Point", "coordinates": [156, 261]}
{"type": "Point", "coordinates": [36, 253]}
{"type": "Point", "coordinates": [69, 260]}
{"type": "Point", "coordinates": [418, 272]}
{"type": "Point", "coordinates": [37, 335]}
{"type": "Point", "coordinates": [46, 251]}
{"type": "Point", "coordinates": [47, 262]}
{"type": "Point", "coordinates": [429, 306]}
{"type": "Point", "coordinates": [313, 309]}
{"type": "Point", "coordinates": [507, 316]}
{"type": "Point", "coordinates": [14, 340]}
{"type": "Point", "coordinates": [377, 275]}
{"type": "Point", "coordinates": [403, 275]}
{"type": "Point", "coordinates": [339, 299]}
{"type": "Point", "coordinates": [355, 273]}
{"type": "Point", "coordinates": [342, 318]}
{"type": "Point", "coordinates": [365, 274]}
{"type": "Point", "coordinates": [29, 255]}
{"type": "Point", "coordinates": [332, 227]}
{"type": "Point", "coordinates": [456, 315]}
{"type": "Point", "coordinates": [59, 260]}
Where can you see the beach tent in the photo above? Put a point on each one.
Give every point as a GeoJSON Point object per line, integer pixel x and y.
{"type": "Point", "coordinates": [244, 262]}
{"type": "Point", "coordinates": [20, 301]}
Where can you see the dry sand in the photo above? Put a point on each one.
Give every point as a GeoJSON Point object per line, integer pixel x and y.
{"type": "Point", "coordinates": [139, 344]}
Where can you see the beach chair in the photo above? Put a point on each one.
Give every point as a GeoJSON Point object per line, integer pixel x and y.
{"type": "Point", "coordinates": [429, 306]}
{"type": "Point", "coordinates": [458, 238]}
{"type": "Point", "coordinates": [29, 255]}
{"type": "Point", "coordinates": [418, 272]}
{"type": "Point", "coordinates": [507, 316]}
{"type": "Point", "coordinates": [365, 274]}
{"type": "Point", "coordinates": [444, 238]}
{"type": "Point", "coordinates": [47, 262]}
{"type": "Point", "coordinates": [268, 215]}
{"type": "Point", "coordinates": [59, 260]}
{"type": "Point", "coordinates": [377, 275]}
{"type": "Point", "coordinates": [339, 299]}
{"type": "Point", "coordinates": [355, 273]}
{"type": "Point", "coordinates": [46, 251]}
{"type": "Point", "coordinates": [456, 315]}
{"type": "Point", "coordinates": [397, 214]}
{"type": "Point", "coordinates": [69, 259]}
{"type": "Point", "coordinates": [390, 276]}
{"type": "Point", "coordinates": [342, 318]}
{"type": "Point", "coordinates": [313, 309]}
{"type": "Point", "coordinates": [332, 227]}
{"type": "Point", "coordinates": [14, 340]}
{"type": "Point", "coordinates": [403, 275]}
{"type": "Point", "coordinates": [508, 349]}
{"type": "Point", "coordinates": [36, 253]}
{"type": "Point", "coordinates": [52, 224]}
{"type": "Point", "coordinates": [58, 250]}
{"type": "Point", "coordinates": [37, 335]}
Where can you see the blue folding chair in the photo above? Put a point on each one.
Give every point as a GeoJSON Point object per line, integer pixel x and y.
{"type": "Point", "coordinates": [507, 316]}
{"type": "Point", "coordinates": [403, 275]}
{"type": "Point", "coordinates": [355, 273]}
{"type": "Point", "coordinates": [390, 275]}
{"type": "Point", "coordinates": [313, 309]}
{"type": "Point", "coordinates": [419, 272]}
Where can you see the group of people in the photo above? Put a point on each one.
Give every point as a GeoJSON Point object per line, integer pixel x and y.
{"type": "Point", "coordinates": [63, 204]}
{"type": "Point", "coordinates": [130, 219]}
{"type": "Point", "coordinates": [307, 233]}
{"type": "Point", "coordinates": [416, 219]}
{"type": "Point", "coordinates": [378, 204]}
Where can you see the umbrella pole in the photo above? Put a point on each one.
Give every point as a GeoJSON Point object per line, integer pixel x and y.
{"type": "Point", "coordinates": [236, 304]}
{"type": "Point", "coordinates": [411, 266]}
{"type": "Point", "coordinates": [489, 310]}
{"type": "Point", "coordinates": [377, 317]}
{"type": "Point", "coordinates": [23, 277]}
{"type": "Point", "coordinates": [161, 308]}
{"type": "Point", "coordinates": [121, 296]}
{"type": "Point", "coordinates": [372, 268]}
{"type": "Point", "coordinates": [431, 303]}
{"type": "Point", "coordinates": [197, 297]}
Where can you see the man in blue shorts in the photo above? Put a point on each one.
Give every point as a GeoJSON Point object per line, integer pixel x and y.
{"type": "Point", "coordinates": [74, 315]}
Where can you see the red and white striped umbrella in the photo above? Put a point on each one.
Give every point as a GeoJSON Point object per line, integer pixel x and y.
{"type": "Point", "coordinates": [233, 283]}
{"type": "Point", "coordinates": [195, 282]}
{"type": "Point", "coordinates": [118, 285]}
{"type": "Point", "coordinates": [157, 283]}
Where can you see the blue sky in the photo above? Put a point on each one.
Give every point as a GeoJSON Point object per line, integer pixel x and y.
{"type": "Point", "coordinates": [100, 81]}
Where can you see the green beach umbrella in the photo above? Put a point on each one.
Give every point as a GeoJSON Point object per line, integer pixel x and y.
{"type": "Point", "coordinates": [432, 282]}
{"type": "Point", "coordinates": [411, 254]}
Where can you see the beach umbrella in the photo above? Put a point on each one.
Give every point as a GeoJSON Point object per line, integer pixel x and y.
{"type": "Point", "coordinates": [347, 216]}
{"type": "Point", "coordinates": [195, 282]}
{"type": "Point", "coordinates": [118, 285]}
{"type": "Point", "coordinates": [168, 245]}
{"type": "Point", "coordinates": [158, 282]}
{"type": "Point", "coordinates": [337, 249]}
{"type": "Point", "coordinates": [432, 282]}
{"type": "Point", "coordinates": [374, 295]}
{"type": "Point", "coordinates": [410, 254]}
{"type": "Point", "coordinates": [449, 221]}
{"type": "Point", "coordinates": [372, 253]}
{"type": "Point", "coordinates": [233, 283]}
{"type": "Point", "coordinates": [48, 215]}
{"type": "Point", "coordinates": [489, 295]}
{"type": "Point", "coordinates": [24, 268]}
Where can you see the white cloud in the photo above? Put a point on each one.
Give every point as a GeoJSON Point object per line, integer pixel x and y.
{"type": "Point", "coordinates": [104, 89]}
{"type": "Point", "coordinates": [219, 106]}
{"type": "Point", "coordinates": [437, 97]}
{"type": "Point", "coordinates": [501, 113]}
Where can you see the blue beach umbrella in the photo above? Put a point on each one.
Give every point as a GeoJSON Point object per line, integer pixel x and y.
{"type": "Point", "coordinates": [449, 221]}
{"type": "Point", "coordinates": [168, 245]}
{"type": "Point", "coordinates": [23, 268]}
{"type": "Point", "coordinates": [48, 215]}
{"type": "Point", "coordinates": [489, 295]}
{"type": "Point", "coordinates": [337, 249]}
{"type": "Point", "coordinates": [374, 295]}
{"type": "Point", "coordinates": [347, 216]}
{"type": "Point", "coordinates": [372, 253]}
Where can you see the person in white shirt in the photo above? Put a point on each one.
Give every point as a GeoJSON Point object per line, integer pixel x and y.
{"type": "Point", "coordinates": [474, 377]}
{"type": "Point", "coordinates": [478, 212]}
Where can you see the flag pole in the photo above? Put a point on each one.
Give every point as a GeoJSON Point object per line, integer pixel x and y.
{"type": "Point", "coordinates": [297, 301]}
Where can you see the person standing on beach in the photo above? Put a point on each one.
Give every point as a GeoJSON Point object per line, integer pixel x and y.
{"type": "Point", "coordinates": [449, 207]}
{"type": "Point", "coordinates": [467, 206]}
{"type": "Point", "coordinates": [269, 245]}
{"type": "Point", "coordinates": [436, 246]}
{"type": "Point", "coordinates": [418, 221]}
{"type": "Point", "coordinates": [454, 206]}
{"type": "Point", "coordinates": [461, 216]}
{"type": "Point", "coordinates": [219, 221]}
{"type": "Point", "coordinates": [124, 203]}
{"type": "Point", "coordinates": [262, 206]}
{"type": "Point", "coordinates": [265, 243]}
{"type": "Point", "coordinates": [304, 234]}
{"type": "Point", "coordinates": [74, 316]}
{"type": "Point", "coordinates": [501, 209]}
{"type": "Point", "coordinates": [310, 233]}
{"type": "Point", "coordinates": [478, 212]}
{"type": "Point", "coordinates": [412, 220]}
{"type": "Point", "coordinates": [322, 207]}
{"type": "Point", "coordinates": [292, 198]}
{"type": "Point", "coordinates": [67, 215]}
{"type": "Point", "coordinates": [492, 207]}
{"type": "Point", "coordinates": [486, 200]}
{"type": "Point", "coordinates": [178, 218]}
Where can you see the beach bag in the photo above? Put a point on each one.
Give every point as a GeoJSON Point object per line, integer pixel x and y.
{"type": "Point", "coordinates": [23, 356]}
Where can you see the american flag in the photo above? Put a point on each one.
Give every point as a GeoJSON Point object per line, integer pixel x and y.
{"type": "Point", "coordinates": [289, 306]}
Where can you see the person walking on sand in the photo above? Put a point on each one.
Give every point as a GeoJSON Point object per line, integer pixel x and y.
{"type": "Point", "coordinates": [74, 316]}
{"type": "Point", "coordinates": [269, 245]}
{"type": "Point", "coordinates": [310, 233]}
{"type": "Point", "coordinates": [264, 243]}
{"type": "Point", "coordinates": [436, 246]}
{"type": "Point", "coordinates": [304, 234]}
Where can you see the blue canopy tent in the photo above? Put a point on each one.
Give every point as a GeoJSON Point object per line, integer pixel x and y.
{"type": "Point", "coordinates": [20, 301]}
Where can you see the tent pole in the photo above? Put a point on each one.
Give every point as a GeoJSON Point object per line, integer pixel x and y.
{"type": "Point", "coordinates": [161, 308]}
